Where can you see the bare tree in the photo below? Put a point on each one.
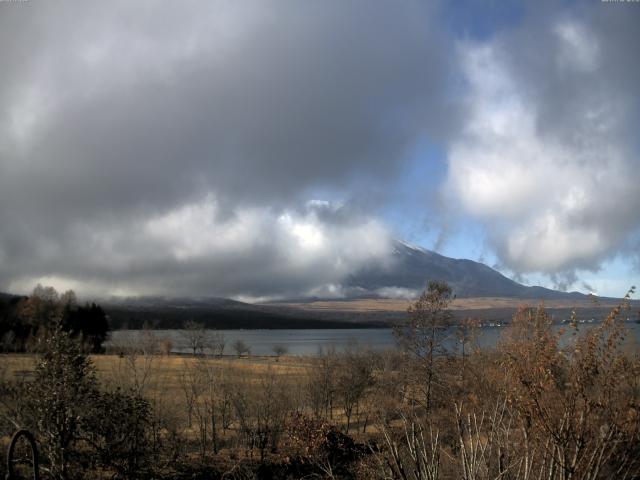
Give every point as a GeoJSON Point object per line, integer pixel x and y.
{"type": "Point", "coordinates": [279, 350]}
{"type": "Point", "coordinates": [136, 361]}
{"type": "Point", "coordinates": [261, 411]}
{"type": "Point", "coordinates": [149, 343]}
{"type": "Point", "coordinates": [321, 385]}
{"type": "Point", "coordinates": [166, 345]}
{"type": "Point", "coordinates": [573, 397]}
{"type": "Point", "coordinates": [423, 335]}
{"type": "Point", "coordinates": [216, 343]}
{"type": "Point", "coordinates": [354, 377]}
{"type": "Point", "coordinates": [241, 348]}
{"type": "Point", "coordinates": [466, 334]}
{"type": "Point", "coordinates": [191, 386]}
{"type": "Point", "coordinates": [415, 456]}
{"type": "Point", "coordinates": [194, 334]}
{"type": "Point", "coordinates": [216, 400]}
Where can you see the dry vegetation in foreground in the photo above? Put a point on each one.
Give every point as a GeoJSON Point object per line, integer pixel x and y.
{"type": "Point", "coordinates": [535, 408]}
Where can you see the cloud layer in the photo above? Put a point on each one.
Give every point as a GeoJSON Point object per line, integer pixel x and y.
{"type": "Point", "coordinates": [548, 157]}
{"type": "Point", "coordinates": [195, 249]}
{"type": "Point", "coordinates": [248, 149]}
{"type": "Point", "coordinates": [157, 148]}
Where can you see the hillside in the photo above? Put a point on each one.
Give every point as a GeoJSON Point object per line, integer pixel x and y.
{"type": "Point", "coordinates": [221, 313]}
{"type": "Point", "coordinates": [411, 267]}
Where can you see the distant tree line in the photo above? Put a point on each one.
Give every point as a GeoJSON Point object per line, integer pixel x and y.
{"type": "Point", "coordinates": [25, 319]}
{"type": "Point", "coordinates": [211, 317]}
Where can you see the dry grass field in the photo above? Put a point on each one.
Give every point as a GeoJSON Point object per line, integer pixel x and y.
{"type": "Point", "coordinates": [479, 303]}
{"type": "Point", "coordinates": [163, 373]}
{"type": "Point", "coordinates": [177, 386]}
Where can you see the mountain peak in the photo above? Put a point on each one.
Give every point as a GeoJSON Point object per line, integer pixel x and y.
{"type": "Point", "coordinates": [412, 267]}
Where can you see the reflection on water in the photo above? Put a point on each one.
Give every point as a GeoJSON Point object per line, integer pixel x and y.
{"type": "Point", "coordinates": [308, 342]}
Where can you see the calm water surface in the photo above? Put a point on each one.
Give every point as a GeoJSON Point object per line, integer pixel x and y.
{"type": "Point", "coordinates": [310, 341]}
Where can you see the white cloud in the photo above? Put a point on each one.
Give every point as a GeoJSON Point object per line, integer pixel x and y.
{"type": "Point", "coordinates": [579, 47]}
{"type": "Point", "coordinates": [199, 249]}
{"type": "Point", "coordinates": [551, 202]}
{"type": "Point", "coordinates": [195, 230]}
{"type": "Point", "coordinates": [397, 292]}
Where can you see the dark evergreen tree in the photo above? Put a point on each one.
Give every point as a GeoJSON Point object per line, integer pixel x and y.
{"type": "Point", "coordinates": [59, 399]}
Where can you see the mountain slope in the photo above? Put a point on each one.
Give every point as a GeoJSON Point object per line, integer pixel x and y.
{"type": "Point", "coordinates": [221, 313]}
{"type": "Point", "coordinates": [412, 267]}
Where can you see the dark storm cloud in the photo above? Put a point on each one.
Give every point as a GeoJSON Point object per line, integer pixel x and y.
{"type": "Point", "coordinates": [152, 147]}
{"type": "Point", "coordinates": [258, 103]}
{"type": "Point", "coordinates": [117, 114]}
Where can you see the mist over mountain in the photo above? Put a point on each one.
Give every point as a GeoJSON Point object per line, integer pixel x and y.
{"type": "Point", "coordinates": [374, 296]}
{"type": "Point", "coordinates": [412, 267]}
{"type": "Point", "coordinates": [402, 276]}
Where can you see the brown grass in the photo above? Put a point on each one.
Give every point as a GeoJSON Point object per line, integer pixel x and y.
{"type": "Point", "coordinates": [165, 371]}
{"type": "Point", "coordinates": [478, 303]}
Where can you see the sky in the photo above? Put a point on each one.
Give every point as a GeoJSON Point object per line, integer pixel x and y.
{"type": "Point", "coordinates": [264, 150]}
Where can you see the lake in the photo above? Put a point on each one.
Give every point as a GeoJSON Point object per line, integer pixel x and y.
{"type": "Point", "coordinates": [309, 341]}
